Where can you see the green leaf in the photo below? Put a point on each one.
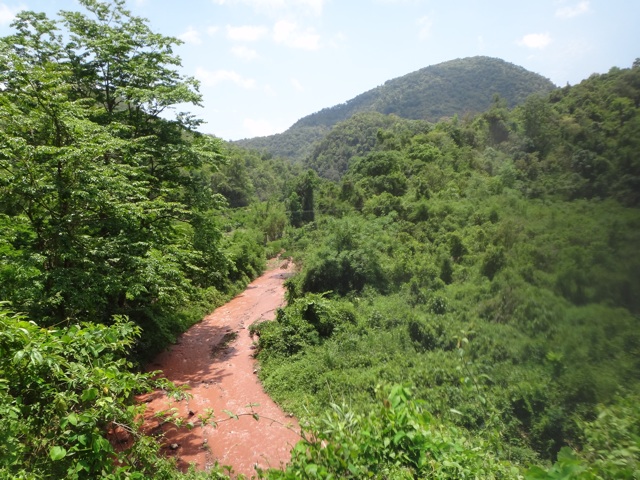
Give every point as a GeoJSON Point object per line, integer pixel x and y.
{"type": "Point", "coordinates": [311, 469]}
{"type": "Point", "coordinates": [231, 414]}
{"type": "Point", "coordinates": [89, 394]}
{"type": "Point", "coordinates": [566, 454]}
{"type": "Point", "coordinates": [36, 357]}
{"type": "Point", "coordinates": [101, 444]}
{"type": "Point", "coordinates": [537, 473]}
{"type": "Point", "coordinates": [73, 419]}
{"type": "Point", "coordinates": [57, 453]}
{"type": "Point", "coordinates": [399, 436]}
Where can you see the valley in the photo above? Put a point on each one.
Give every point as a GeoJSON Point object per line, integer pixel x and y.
{"type": "Point", "coordinates": [464, 304]}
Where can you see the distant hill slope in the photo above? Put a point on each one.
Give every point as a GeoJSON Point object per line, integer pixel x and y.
{"type": "Point", "coordinates": [358, 135]}
{"type": "Point", "coordinates": [442, 90]}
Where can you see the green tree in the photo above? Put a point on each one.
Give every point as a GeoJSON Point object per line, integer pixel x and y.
{"type": "Point", "coordinates": [105, 190]}
{"type": "Point", "coordinates": [539, 122]}
{"type": "Point", "coordinates": [305, 190]}
{"type": "Point", "coordinates": [294, 206]}
{"type": "Point", "coordinates": [301, 203]}
{"type": "Point", "coordinates": [233, 182]}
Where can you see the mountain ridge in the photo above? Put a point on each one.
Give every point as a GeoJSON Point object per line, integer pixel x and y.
{"type": "Point", "coordinates": [445, 89]}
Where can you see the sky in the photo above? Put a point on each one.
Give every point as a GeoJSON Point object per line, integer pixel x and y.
{"type": "Point", "coordinates": [264, 64]}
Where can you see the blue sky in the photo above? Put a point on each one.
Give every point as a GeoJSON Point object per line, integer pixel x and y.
{"type": "Point", "coordinates": [263, 64]}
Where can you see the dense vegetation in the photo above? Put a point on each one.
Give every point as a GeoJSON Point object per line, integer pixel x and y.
{"type": "Point", "coordinates": [357, 136]}
{"type": "Point", "coordinates": [113, 235]}
{"type": "Point", "coordinates": [456, 87]}
{"type": "Point", "coordinates": [467, 301]}
{"type": "Point", "coordinates": [490, 264]}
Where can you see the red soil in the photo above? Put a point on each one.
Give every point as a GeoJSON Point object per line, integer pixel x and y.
{"type": "Point", "coordinates": [225, 380]}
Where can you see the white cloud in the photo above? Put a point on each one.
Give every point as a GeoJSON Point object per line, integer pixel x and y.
{"type": "Point", "coordinates": [266, 6]}
{"type": "Point", "coordinates": [574, 11]}
{"type": "Point", "coordinates": [191, 36]}
{"type": "Point", "coordinates": [260, 128]}
{"type": "Point", "coordinates": [211, 79]}
{"type": "Point", "coordinates": [535, 40]}
{"type": "Point", "coordinates": [316, 5]}
{"type": "Point", "coordinates": [425, 25]}
{"type": "Point", "coordinates": [212, 30]}
{"type": "Point", "coordinates": [246, 33]}
{"type": "Point", "coordinates": [244, 53]}
{"type": "Point", "coordinates": [297, 85]}
{"type": "Point", "coordinates": [290, 34]}
{"type": "Point", "coordinates": [7, 14]}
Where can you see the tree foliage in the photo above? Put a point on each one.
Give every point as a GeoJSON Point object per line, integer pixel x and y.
{"type": "Point", "coordinates": [490, 263]}
{"type": "Point", "coordinates": [63, 395]}
{"type": "Point", "coordinates": [450, 88]}
{"type": "Point", "coordinates": [104, 201]}
{"type": "Point", "coordinates": [397, 439]}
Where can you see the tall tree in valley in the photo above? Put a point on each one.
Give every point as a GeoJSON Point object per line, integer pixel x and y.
{"type": "Point", "coordinates": [102, 199]}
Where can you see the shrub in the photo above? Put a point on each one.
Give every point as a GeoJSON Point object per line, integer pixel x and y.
{"type": "Point", "coordinates": [493, 262]}
{"type": "Point", "coordinates": [61, 391]}
{"type": "Point", "coordinates": [397, 439]}
{"type": "Point", "coordinates": [307, 321]}
{"type": "Point", "coordinates": [342, 272]}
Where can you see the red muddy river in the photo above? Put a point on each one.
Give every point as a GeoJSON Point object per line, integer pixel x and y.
{"type": "Point", "coordinates": [222, 377]}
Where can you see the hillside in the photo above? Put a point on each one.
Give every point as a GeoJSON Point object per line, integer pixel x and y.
{"type": "Point", "coordinates": [331, 156]}
{"type": "Point", "coordinates": [442, 90]}
{"type": "Point", "coordinates": [485, 268]}
{"type": "Point", "coordinates": [465, 302]}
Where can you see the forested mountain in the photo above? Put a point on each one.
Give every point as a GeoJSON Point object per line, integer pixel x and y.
{"type": "Point", "coordinates": [443, 90]}
{"type": "Point", "coordinates": [466, 304]}
{"type": "Point", "coordinates": [357, 136]}
{"type": "Point", "coordinates": [456, 87]}
{"type": "Point", "coordinates": [488, 267]}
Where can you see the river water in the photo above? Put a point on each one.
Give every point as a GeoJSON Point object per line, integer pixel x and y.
{"type": "Point", "coordinates": [223, 377]}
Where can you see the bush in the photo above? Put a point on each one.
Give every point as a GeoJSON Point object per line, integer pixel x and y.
{"type": "Point", "coordinates": [342, 272]}
{"type": "Point", "coordinates": [396, 439]}
{"type": "Point", "coordinates": [610, 449]}
{"type": "Point", "coordinates": [307, 321]}
{"type": "Point", "coordinates": [61, 392]}
{"type": "Point", "coordinates": [247, 255]}
{"type": "Point", "coordinates": [493, 262]}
